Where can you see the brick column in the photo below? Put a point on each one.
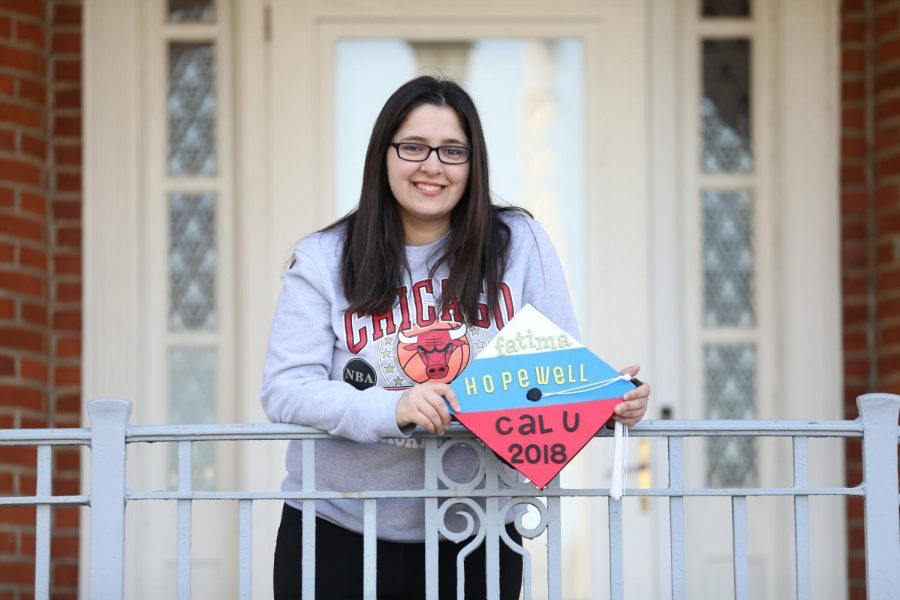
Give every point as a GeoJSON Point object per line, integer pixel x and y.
{"type": "Point", "coordinates": [24, 273]}
{"type": "Point", "coordinates": [40, 272]}
{"type": "Point", "coordinates": [856, 200]}
{"type": "Point", "coordinates": [64, 195]}
{"type": "Point", "coordinates": [870, 191]}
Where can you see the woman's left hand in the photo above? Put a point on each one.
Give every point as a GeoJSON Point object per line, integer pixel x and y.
{"type": "Point", "coordinates": [634, 406]}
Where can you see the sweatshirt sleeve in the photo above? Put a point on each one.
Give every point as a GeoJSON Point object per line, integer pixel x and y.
{"type": "Point", "coordinates": [545, 283]}
{"type": "Point", "coordinates": [296, 384]}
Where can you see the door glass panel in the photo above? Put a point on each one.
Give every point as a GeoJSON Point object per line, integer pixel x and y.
{"type": "Point", "coordinates": [731, 394]}
{"type": "Point", "coordinates": [192, 109]}
{"type": "Point", "coordinates": [726, 8]}
{"type": "Point", "coordinates": [192, 400]}
{"type": "Point", "coordinates": [728, 262]}
{"type": "Point", "coordinates": [192, 261]}
{"type": "Point", "coordinates": [193, 316]}
{"type": "Point", "coordinates": [728, 266]}
{"type": "Point", "coordinates": [529, 94]}
{"type": "Point", "coordinates": [368, 71]}
{"type": "Point", "coordinates": [725, 109]}
{"type": "Point", "coordinates": [185, 11]}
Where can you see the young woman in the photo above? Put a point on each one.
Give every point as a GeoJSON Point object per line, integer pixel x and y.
{"type": "Point", "coordinates": [379, 312]}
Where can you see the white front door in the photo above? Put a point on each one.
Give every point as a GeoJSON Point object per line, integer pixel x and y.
{"type": "Point", "coordinates": [566, 127]}
{"type": "Point", "coordinates": [613, 96]}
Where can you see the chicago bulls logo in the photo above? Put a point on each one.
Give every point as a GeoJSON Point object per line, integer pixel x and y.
{"type": "Point", "coordinates": [436, 354]}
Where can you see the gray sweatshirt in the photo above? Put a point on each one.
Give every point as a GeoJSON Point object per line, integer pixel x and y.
{"type": "Point", "coordinates": [344, 373]}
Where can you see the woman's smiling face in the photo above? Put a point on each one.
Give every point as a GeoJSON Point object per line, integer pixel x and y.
{"type": "Point", "coordinates": [427, 192]}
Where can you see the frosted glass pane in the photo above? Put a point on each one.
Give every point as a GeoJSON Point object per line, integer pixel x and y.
{"type": "Point", "coordinates": [183, 11]}
{"type": "Point", "coordinates": [367, 73]}
{"type": "Point", "coordinates": [725, 108]}
{"type": "Point", "coordinates": [192, 109]}
{"type": "Point", "coordinates": [730, 374]}
{"type": "Point", "coordinates": [530, 97]}
{"type": "Point", "coordinates": [192, 262]}
{"type": "Point", "coordinates": [192, 400]}
{"type": "Point", "coordinates": [728, 260]}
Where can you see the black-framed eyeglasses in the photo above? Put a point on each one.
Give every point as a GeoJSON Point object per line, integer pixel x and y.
{"type": "Point", "coordinates": [415, 152]}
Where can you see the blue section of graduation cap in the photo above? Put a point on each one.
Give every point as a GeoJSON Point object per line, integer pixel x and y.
{"type": "Point", "coordinates": [562, 376]}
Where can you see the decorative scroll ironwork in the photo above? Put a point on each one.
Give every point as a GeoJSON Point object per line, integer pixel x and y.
{"type": "Point", "coordinates": [472, 514]}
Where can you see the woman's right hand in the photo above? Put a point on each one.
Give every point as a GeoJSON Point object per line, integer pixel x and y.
{"type": "Point", "coordinates": [423, 405]}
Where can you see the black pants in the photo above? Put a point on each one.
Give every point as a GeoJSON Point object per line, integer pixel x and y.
{"type": "Point", "coordinates": [401, 566]}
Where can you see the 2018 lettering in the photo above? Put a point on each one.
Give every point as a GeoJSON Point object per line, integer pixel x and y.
{"type": "Point", "coordinates": [534, 454]}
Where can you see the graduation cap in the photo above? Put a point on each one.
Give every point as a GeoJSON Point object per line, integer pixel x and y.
{"type": "Point", "coordinates": [536, 396]}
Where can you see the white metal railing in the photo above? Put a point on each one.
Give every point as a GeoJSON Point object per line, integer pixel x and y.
{"type": "Point", "coordinates": [490, 497]}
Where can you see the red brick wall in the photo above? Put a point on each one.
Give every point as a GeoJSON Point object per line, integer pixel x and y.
{"type": "Point", "coordinates": [870, 192]}
{"type": "Point", "coordinates": [40, 272]}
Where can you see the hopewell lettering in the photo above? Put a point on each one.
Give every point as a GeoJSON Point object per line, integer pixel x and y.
{"type": "Point", "coordinates": [525, 378]}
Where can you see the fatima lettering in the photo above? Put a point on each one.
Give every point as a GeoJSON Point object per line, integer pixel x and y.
{"type": "Point", "coordinates": [529, 341]}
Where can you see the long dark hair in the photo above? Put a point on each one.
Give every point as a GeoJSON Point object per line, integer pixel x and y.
{"type": "Point", "coordinates": [373, 261]}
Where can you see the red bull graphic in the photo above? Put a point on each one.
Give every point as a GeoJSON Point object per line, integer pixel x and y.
{"type": "Point", "coordinates": [435, 354]}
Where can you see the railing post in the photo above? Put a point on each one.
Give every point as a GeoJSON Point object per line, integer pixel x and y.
{"type": "Point", "coordinates": [109, 421]}
{"type": "Point", "coordinates": [879, 414]}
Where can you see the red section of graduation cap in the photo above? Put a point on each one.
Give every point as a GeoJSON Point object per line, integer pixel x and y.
{"type": "Point", "coordinates": [540, 441]}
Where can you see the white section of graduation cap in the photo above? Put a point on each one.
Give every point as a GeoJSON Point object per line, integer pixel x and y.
{"type": "Point", "coordinates": [531, 332]}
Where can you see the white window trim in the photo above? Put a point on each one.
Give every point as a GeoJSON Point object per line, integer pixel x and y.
{"type": "Point", "coordinates": [801, 125]}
